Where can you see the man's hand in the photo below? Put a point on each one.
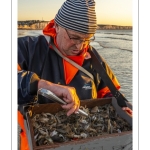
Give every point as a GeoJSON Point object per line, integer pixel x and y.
{"type": "Point", "coordinates": [128, 110]}
{"type": "Point", "coordinates": [68, 94]}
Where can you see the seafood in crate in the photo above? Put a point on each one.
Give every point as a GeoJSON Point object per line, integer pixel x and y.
{"type": "Point", "coordinates": [80, 135]}
{"type": "Point", "coordinates": [51, 128]}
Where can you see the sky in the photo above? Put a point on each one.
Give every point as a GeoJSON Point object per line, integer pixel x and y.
{"type": "Point", "coordinates": [111, 12]}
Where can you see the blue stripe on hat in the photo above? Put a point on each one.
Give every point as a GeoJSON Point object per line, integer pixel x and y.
{"type": "Point", "coordinates": [77, 15]}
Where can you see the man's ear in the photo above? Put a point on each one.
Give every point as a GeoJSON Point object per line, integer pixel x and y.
{"type": "Point", "coordinates": [57, 28]}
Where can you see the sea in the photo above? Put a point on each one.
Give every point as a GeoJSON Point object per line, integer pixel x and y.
{"type": "Point", "coordinates": [115, 46]}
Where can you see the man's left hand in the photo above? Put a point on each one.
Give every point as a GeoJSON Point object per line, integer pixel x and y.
{"type": "Point", "coordinates": [128, 110]}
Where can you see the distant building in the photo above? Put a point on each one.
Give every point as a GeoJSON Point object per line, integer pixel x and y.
{"type": "Point", "coordinates": [32, 24]}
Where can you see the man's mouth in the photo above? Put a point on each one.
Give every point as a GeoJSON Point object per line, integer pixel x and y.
{"type": "Point", "coordinates": [76, 52]}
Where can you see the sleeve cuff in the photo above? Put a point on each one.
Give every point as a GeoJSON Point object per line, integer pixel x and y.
{"type": "Point", "coordinates": [34, 84]}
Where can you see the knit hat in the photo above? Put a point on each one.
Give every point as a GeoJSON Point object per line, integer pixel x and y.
{"type": "Point", "coordinates": [77, 15]}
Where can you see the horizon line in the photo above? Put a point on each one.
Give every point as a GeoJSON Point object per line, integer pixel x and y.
{"type": "Point", "coordinates": [97, 24]}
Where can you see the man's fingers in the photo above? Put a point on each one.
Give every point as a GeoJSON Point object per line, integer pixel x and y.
{"type": "Point", "coordinates": [68, 106]}
{"type": "Point", "coordinates": [71, 111]}
{"type": "Point", "coordinates": [128, 110]}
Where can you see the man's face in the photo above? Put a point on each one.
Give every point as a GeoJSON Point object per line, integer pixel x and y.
{"type": "Point", "coordinates": [71, 43]}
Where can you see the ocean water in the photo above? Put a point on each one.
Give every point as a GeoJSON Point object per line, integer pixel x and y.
{"type": "Point", "coordinates": [115, 46]}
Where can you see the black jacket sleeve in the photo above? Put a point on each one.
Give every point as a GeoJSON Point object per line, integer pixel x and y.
{"type": "Point", "coordinates": [28, 78]}
{"type": "Point", "coordinates": [27, 86]}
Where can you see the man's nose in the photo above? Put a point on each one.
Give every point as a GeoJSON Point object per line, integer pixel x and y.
{"type": "Point", "coordinates": [81, 45]}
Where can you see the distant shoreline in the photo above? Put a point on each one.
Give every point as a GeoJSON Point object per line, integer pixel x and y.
{"type": "Point", "coordinates": [39, 25]}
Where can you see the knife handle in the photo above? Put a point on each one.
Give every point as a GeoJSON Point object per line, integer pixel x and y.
{"type": "Point", "coordinates": [50, 95]}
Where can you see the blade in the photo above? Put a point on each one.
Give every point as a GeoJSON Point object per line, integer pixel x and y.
{"type": "Point", "coordinates": [50, 95]}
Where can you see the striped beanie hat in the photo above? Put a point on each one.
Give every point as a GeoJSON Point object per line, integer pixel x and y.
{"type": "Point", "coordinates": [77, 15]}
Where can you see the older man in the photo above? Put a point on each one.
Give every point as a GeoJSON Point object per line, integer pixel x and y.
{"type": "Point", "coordinates": [42, 64]}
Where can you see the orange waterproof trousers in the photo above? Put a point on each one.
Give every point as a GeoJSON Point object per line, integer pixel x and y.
{"type": "Point", "coordinates": [23, 136]}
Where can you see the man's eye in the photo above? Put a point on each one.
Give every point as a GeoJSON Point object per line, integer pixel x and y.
{"type": "Point", "coordinates": [75, 38]}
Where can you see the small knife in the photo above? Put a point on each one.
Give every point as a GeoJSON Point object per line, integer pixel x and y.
{"type": "Point", "coordinates": [50, 95]}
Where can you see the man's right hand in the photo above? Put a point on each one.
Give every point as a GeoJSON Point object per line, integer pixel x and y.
{"type": "Point", "coordinates": [68, 94]}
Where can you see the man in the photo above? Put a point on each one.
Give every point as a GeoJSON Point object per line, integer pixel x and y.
{"type": "Point", "coordinates": [40, 66]}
